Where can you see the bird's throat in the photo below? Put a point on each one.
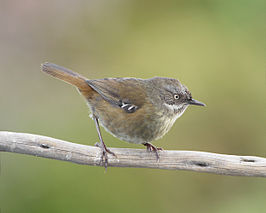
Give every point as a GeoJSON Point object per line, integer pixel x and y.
{"type": "Point", "coordinates": [176, 111]}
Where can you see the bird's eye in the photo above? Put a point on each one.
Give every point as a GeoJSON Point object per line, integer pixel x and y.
{"type": "Point", "coordinates": [176, 96]}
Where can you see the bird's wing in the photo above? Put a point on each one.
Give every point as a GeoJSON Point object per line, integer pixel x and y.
{"type": "Point", "coordinates": [126, 93]}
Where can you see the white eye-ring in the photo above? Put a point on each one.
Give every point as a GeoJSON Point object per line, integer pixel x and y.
{"type": "Point", "coordinates": [176, 96]}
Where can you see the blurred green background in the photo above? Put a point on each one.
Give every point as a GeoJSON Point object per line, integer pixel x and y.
{"type": "Point", "coordinates": [216, 48]}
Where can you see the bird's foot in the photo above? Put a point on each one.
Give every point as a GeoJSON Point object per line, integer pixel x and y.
{"type": "Point", "coordinates": [104, 157]}
{"type": "Point", "coordinates": [152, 148]}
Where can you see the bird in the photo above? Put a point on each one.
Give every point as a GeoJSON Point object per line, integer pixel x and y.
{"type": "Point", "coordinates": [135, 110]}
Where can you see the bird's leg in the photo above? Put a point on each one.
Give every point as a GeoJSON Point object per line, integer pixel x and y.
{"type": "Point", "coordinates": [101, 145]}
{"type": "Point", "coordinates": [152, 148]}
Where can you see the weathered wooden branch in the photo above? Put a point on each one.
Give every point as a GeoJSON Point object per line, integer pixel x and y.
{"type": "Point", "coordinates": [47, 147]}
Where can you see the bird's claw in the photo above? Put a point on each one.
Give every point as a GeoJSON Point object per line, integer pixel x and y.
{"type": "Point", "coordinates": [152, 148]}
{"type": "Point", "coordinates": [104, 157]}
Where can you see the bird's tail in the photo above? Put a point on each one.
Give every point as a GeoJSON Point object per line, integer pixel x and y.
{"type": "Point", "coordinates": [66, 75]}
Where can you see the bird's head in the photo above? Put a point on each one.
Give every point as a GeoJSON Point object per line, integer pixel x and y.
{"type": "Point", "coordinates": [174, 96]}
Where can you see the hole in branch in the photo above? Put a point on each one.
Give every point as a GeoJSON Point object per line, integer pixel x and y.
{"type": "Point", "coordinates": [45, 146]}
{"type": "Point", "coordinates": [200, 163]}
{"type": "Point", "coordinates": [247, 160]}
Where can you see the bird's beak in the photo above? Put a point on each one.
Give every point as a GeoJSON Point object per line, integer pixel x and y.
{"type": "Point", "coordinates": [195, 102]}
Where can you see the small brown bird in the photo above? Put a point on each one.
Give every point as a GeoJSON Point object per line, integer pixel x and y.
{"type": "Point", "coordinates": [134, 110]}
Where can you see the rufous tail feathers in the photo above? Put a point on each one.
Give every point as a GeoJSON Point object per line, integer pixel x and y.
{"type": "Point", "coordinates": [66, 75]}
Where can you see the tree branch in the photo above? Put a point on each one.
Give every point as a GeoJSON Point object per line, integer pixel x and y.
{"type": "Point", "coordinates": [47, 147]}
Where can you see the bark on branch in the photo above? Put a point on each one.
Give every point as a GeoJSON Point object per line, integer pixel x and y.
{"type": "Point", "coordinates": [47, 147]}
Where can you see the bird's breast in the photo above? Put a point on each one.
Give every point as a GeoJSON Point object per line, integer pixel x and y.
{"type": "Point", "coordinates": [144, 125]}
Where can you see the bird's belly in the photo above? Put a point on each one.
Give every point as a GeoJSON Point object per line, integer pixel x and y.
{"type": "Point", "coordinates": [139, 127]}
{"type": "Point", "coordinates": [144, 131]}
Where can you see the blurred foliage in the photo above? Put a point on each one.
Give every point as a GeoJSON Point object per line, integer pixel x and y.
{"type": "Point", "coordinates": [216, 48]}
